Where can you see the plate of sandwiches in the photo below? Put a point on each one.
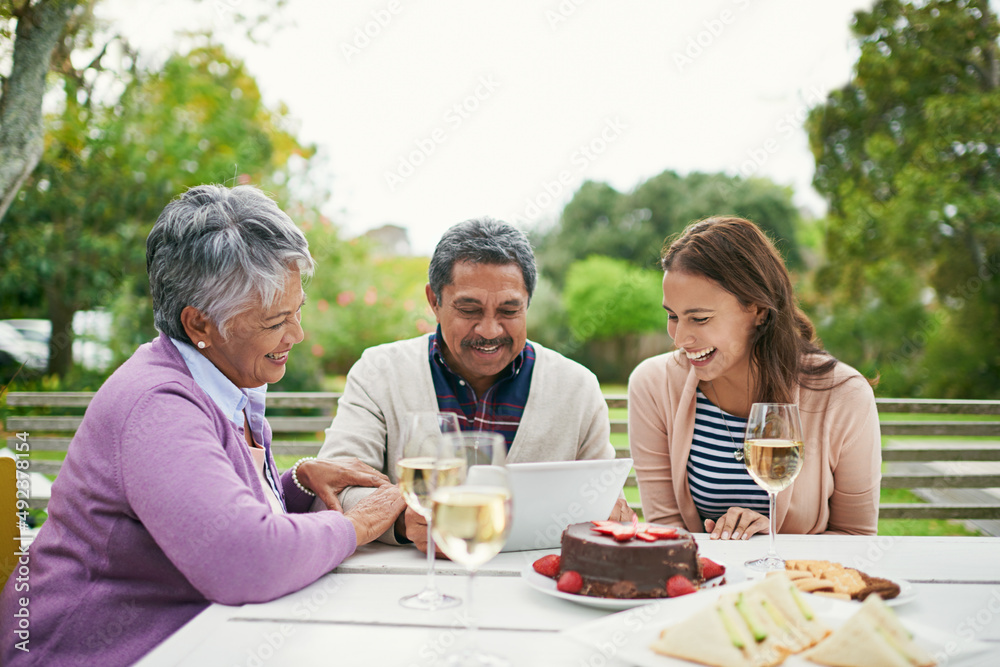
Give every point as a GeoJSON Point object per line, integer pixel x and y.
{"type": "Point", "coordinates": [770, 622]}
{"type": "Point", "coordinates": [825, 578]}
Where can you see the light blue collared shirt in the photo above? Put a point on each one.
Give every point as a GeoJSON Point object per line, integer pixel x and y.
{"type": "Point", "coordinates": [232, 400]}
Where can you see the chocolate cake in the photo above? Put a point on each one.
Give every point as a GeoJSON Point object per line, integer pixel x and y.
{"type": "Point", "coordinates": [634, 568]}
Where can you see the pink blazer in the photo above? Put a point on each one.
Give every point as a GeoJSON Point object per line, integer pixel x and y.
{"type": "Point", "coordinates": [837, 490]}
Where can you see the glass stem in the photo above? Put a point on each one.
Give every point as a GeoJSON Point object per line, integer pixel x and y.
{"type": "Point", "coordinates": [430, 560]}
{"type": "Point", "coordinates": [771, 553]}
{"type": "Point", "coordinates": [470, 619]}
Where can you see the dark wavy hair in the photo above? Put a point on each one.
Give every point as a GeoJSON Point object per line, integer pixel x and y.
{"type": "Point", "coordinates": [735, 254]}
{"type": "Point", "coordinates": [481, 241]}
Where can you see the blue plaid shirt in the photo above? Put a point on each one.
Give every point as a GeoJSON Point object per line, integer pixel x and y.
{"type": "Point", "coordinates": [499, 409]}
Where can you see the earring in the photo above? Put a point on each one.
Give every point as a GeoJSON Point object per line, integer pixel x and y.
{"type": "Point", "coordinates": [201, 345]}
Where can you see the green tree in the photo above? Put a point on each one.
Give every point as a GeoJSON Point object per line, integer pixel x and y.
{"type": "Point", "coordinates": [611, 306]}
{"type": "Point", "coordinates": [36, 28]}
{"type": "Point", "coordinates": [75, 236]}
{"type": "Point", "coordinates": [37, 37]}
{"type": "Point", "coordinates": [599, 220]}
{"type": "Point", "coordinates": [907, 157]}
{"type": "Point", "coordinates": [606, 298]}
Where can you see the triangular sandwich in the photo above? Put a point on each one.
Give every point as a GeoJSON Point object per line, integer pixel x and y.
{"type": "Point", "coordinates": [872, 637]}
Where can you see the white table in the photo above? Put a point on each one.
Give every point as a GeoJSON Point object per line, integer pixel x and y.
{"type": "Point", "coordinates": [352, 616]}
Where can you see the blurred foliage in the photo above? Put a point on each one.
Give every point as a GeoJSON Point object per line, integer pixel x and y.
{"type": "Point", "coordinates": [908, 156]}
{"type": "Point", "coordinates": [548, 322]}
{"type": "Point", "coordinates": [608, 297]}
{"type": "Point", "coordinates": [599, 220]}
{"type": "Point", "coordinates": [74, 239]}
{"type": "Point", "coordinates": [358, 299]}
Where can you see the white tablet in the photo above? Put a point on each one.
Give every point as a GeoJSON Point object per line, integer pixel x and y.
{"type": "Point", "coordinates": [551, 495]}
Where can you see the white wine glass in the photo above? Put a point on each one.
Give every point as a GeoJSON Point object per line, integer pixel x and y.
{"type": "Point", "coordinates": [772, 452]}
{"type": "Point", "coordinates": [472, 514]}
{"type": "Point", "coordinates": [415, 470]}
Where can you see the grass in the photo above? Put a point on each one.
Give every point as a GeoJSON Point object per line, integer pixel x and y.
{"type": "Point", "coordinates": [925, 527]}
{"type": "Point", "coordinates": [922, 417]}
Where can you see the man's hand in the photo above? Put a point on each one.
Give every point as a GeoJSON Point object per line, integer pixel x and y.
{"type": "Point", "coordinates": [621, 511]}
{"type": "Point", "coordinates": [328, 478]}
{"type": "Point", "coordinates": [375, 514]}
{"type": "Point", "coordinates": [738, 523]}
{"type": "Point", "coordinates": [416, 531]}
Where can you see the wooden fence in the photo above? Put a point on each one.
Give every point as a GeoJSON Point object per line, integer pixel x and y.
{"type": "Point", "coordinates": [944, 459]}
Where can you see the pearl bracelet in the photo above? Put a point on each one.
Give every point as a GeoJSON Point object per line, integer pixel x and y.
{"type": "Point", "coordinates": [295, 474]}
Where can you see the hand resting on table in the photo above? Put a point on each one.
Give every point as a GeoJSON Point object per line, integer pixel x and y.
{"type": "Point", "coordinates": [736, 524]}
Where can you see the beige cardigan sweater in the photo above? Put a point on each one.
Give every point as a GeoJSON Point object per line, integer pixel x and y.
{"type": "Point", "coordinates": [837, 490]}
{"type": "Point", "coordinates": [565, 418]}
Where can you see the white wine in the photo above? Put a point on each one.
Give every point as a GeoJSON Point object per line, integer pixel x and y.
{"type": "Point", "coordinates": [471, 523]}
{"type": "Point", "coordinates": [773, 464]}
{"type": "Point", "coordinates": [414, 479]}
{"type": "Point", "coordinates": [418, 475]}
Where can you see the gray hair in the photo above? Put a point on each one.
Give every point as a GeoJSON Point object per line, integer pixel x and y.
{"type": "Point", "coordinates": [481, 241]}
{"type": "Point", "coordinates": [220, 249]}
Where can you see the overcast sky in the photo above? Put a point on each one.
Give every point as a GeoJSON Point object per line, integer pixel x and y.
{"type": "Point", "coordinates": [429, 113]}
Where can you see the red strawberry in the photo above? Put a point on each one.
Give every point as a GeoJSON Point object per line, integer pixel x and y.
{"type": "Point", "coordinates": [548, 565]}
{"type": "Point", "coordinates": [570, 581]}
{"type": "Point", "coordinates": [618, 531]}
{"type": "Point", "coordinates": [679, 585]}
{"type": "Point", "coordinates": [662, 532]}
{"type": "Point", "coordinates": [710, 569]}
{"type": "Point", "coordinates": [646, 537]}
{"type": "Point", "coordinates": [624, 534]}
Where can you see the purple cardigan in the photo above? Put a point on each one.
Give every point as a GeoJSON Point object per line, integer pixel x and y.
{"type": "Point", "coordinates": [156, 513]}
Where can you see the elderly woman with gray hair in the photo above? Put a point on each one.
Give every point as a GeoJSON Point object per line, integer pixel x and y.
{"type": "Point", "coordinates": [169, 498]}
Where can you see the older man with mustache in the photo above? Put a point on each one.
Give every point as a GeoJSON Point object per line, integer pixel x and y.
{"type": "Point", "coordinates": [478, 364]}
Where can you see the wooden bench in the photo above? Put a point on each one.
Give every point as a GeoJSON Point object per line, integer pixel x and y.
{"type": "Point", "coordinates": [936, 464]}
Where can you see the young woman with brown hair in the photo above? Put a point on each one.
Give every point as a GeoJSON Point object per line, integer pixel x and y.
{"type": "Point", "coordinates": [741, 339]}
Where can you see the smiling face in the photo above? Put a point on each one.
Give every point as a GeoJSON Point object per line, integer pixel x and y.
{"type": "Point", "coordinates": [256, 349]}
{"type": "Point", "coordinates": [711, 326]}
{"type": "Point", "coordinates": [483, 318]}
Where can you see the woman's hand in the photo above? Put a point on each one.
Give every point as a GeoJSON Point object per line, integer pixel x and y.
{"type": "Point", "coordinates": [327, 478]}
{"type": "Point", "coordinates": [621, 511]}
{"type": "Point", "coordinates": [377, 513]}
{"type": "Point", "coordinates": [736, 524]}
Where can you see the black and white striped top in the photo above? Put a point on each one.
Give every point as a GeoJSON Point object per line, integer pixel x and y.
{"type": "Point", "coordinates": [717, 480]}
